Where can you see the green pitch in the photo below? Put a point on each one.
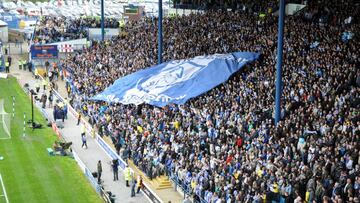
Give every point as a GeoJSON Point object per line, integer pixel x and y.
{"type": "Point", "coordinates": [29, 174]}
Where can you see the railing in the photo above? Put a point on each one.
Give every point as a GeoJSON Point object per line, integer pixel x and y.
{"type": "Point", "coordinates": [15, 48]}
{"type": "Point", "coordinates": [186, 188]}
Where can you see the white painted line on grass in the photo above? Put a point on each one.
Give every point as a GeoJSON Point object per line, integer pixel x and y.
{"type": "Point", "coordinates": [3, 187]}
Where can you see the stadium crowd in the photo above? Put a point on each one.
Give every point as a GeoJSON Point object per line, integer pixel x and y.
{"type": "Point", "coordinates": [223, 146]}
{"type": "Point", "coordinates": [55, 29]}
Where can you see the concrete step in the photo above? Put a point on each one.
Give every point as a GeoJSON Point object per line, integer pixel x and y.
{"type": "Point", "coordinates": [161, 182]}
{"type": "Point", "coordinates": [166, 192]}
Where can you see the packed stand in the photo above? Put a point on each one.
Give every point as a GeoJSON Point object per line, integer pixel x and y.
{"type": "Point", "coordinates": [252, 6]}
{"type": "Point", "coordinates": [223, 146]}
{"type": "Point", "coordinates": [55, 29]}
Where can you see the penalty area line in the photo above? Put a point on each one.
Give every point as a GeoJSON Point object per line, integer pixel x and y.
{"type": "Point", "coordinates": [4, 190]}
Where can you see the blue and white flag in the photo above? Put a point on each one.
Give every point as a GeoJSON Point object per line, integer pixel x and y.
{"type": "Point", "coordinates": [175, 81]}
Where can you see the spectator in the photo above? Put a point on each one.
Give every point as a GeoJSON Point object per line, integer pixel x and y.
{"type": "Point", "coordinates": [99, 171]}
{"type": "Point", "coordinates": [115, 167]}
{"type": "Point", "coordinates": [139, 183]}
{"type": "Point", "coordinates": [55, 29]}
{"type": "Point", "coordinates": [133, 185]}
{"type": "Point", "coordinates": [83, 139]}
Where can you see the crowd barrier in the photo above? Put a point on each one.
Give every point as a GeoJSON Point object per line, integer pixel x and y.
{"type": "Point", "coordinates": [186, 188]}
{"type": "Point", "coordinates": [151, 195]}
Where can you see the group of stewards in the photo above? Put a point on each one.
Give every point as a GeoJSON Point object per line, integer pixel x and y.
{"type": "Point", "coordinates": [8, 62]}
{"type": "Point", "coordinates": [22, 64]}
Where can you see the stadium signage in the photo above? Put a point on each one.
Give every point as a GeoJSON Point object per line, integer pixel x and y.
{"type": "Point", "coordinates": [150, 195]}
{"type": "Point", "coordinates": [92, 180]}
{"type": "Point", "coordinates": [122, 164]}
{"type": "Point", "coordinates": [44, 51]}
{"type": "Point", "coordinates": [56, 130]}
{"type": "Point", "coordinates": [110, 151]}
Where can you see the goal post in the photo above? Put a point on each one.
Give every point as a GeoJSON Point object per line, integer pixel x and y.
{"type": "Point", "coordinates": [5, 121]}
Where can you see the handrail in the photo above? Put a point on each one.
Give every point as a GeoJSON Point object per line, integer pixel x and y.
{"type": "Point", "coordinates": [186, 188]}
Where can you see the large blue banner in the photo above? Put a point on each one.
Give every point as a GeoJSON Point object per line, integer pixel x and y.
{"type": "Point", "coordinates": [176, 81]}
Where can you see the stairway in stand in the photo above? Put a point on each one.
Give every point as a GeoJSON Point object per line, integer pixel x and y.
{"type": "Point", "coordinates": [159, 183]}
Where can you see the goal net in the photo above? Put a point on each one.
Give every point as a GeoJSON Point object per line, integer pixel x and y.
{"type": "Point", "coordinates": [5, 119]}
